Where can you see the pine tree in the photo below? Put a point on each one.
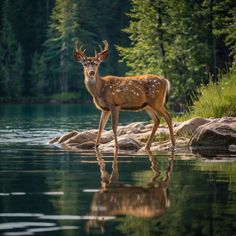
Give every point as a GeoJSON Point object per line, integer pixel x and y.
{"type": "Point", "coordinates": [188, 56]}
{"type": "Point", "coordinates": [225, 25]}
{"type": "Point", "coordinates": [38, 75]}
{"type": "Point", "coordinates": [110, 19]}
{"type": "Point", "coordinates": [230, 31]}
{"type": "Point", "coordinates": [169, 38]}
{"type": "Point", "coordinates": [59, 46]}
{"type": "Point", "coordinates": [147, 53]}
{"type": "Point", "coordinates": [11, 57]}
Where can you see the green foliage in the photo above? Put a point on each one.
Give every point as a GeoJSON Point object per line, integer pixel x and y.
{"type": "Point", "coordinates": [66, 97]}
{"type": "Point", "coordinates": [176, 39]}
{"type": "Point", "coordinates": [225, 24]}
{"type": "Point", "coordinates": [38, 75]}
{"type": "Point", "coordinates": [54, 70]}
{"type": "Point", "coordinates": [215, 99]}
{"type": "Point", "coordinates": [145, 55]}
{"type": "Point", "coordinates": [62, 33]}
{"type": "Point", "coordinates": [186, 41]}
{"type": "Point", "coordinates": [188, 51]}
{"type": "Point", "coordinates": [231, 33]}
{"type": "Point", "coordinates": [11, 57]}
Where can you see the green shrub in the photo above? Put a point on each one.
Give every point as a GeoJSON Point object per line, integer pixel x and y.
{"type": "Point", "coordinates": [215, 99]}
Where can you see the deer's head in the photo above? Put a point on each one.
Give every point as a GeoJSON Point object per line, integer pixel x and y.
{"type": "Point", "coordinates": [91, 64]}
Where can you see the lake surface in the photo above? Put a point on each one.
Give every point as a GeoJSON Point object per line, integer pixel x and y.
{"type": "Point", "coordinates": [48, 191]}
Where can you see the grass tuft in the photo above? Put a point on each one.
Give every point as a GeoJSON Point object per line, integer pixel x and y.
{"type": "Point", "coordinates": [215, 99]}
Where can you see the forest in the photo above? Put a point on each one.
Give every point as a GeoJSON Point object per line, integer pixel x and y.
{"type": "Point", "coordinates": [190, 42]}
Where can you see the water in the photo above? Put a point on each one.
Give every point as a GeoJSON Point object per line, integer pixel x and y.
{"type": "Point", "coordinates": [47, 191]}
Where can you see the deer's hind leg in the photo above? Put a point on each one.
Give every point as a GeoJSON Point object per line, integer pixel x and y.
{"type": "Point", "coordinates": [156, 121]}
{"type": "Point", "coordinates": [163, 112]}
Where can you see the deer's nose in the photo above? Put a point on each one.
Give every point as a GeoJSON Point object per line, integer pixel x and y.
{"type": "Point", "coordinates": [91, 73]}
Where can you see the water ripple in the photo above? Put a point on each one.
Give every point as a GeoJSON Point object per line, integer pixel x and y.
{"type": "Point", "coordinates": [56, 217]}
{"type": "Point", "coordinates": [17, 225]}
{"type": "Point", "coordinates": [31, 227]}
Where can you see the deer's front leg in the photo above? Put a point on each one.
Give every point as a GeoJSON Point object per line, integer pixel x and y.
{"type": "Point", "coordinates": [114, 116]}
{"type": "Point", "coordinates": [103, 120]}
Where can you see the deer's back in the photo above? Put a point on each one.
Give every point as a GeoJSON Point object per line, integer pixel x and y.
{"type": "Point", "coordinates": [134, 92]}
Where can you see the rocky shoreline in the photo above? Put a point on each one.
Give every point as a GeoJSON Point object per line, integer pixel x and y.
{"type": "Point", "coordinates": [198, 135]}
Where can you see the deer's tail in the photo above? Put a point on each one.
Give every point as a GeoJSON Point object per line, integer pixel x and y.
{"type": "Point", "coordinates": [167, 91]}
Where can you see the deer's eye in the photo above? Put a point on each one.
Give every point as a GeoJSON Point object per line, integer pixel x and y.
{"type": "Point", "coordinates": [93, 63]}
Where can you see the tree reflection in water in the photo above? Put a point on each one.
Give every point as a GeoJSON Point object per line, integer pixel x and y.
{"type": "Point", "coordinates": [114, 198]}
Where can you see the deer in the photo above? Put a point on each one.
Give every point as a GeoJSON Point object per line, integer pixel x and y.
{"type": "Point", "coordinates": [112, 94]}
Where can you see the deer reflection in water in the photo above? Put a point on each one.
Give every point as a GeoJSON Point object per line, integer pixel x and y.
{"type": "Point", "coordinates": [115, 198]}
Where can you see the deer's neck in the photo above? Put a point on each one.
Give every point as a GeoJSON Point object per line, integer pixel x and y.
{"type": "Point", "coordinates": [94, 85]}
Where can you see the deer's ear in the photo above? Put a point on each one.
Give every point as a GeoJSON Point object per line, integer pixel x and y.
{"type": "Point", "coordinates": [78, 56]}
{"type": "Point", "coordinates": [103, 56]}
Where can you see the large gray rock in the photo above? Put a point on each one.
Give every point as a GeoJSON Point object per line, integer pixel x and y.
{"type": "Point", "coordinates": [132, 128]}
{"type": "Point", "coordinates": [82, 137]}
{"type": "Point", "coordinates": [188, 127]}
{"type": "Point", "coordinates": [218, 134]}
{"type": "Point", "coordinates": [126, 142]}
{"type": "Point", "coordinates": [107, 136]}
{"type": "Point", "coordinates": [87, 145]}
{"type": "Point", "coordinates": [65, 137]}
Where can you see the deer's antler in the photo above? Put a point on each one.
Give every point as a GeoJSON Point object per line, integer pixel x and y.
{"type": "Point", "coordinates": [80, 50]}
{"type": "Point", "coordinates": [103, 51]}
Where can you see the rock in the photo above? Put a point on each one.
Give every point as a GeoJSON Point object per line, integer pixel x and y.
{"type": "Point", "coordinates": [232, 148]}
{"type": "Point", "coordinates": [136, 127]}
{"type": "Point", "coordinates": [86, 145]}
{"type": "Point", "coordinates": [83, 137]}
{"type": "Point", "coordinates": [226, 119]}
{"type": "Point", "coordinates": [148, 126]}
{"type": "Point", "coordinates": [206, 134]}
{"type": "Point", "coordinates": [189, 126]}
{"type": "Point", "coordinates": [77, 147]}
{"type": "Point", "coordinates": [107, 136]}
{"type": "Point", "coordinates": [139, 125]}
{"type": "Point", "coordinates": [132, 128]}
{"type": "Point", "coordinates": [67, 136]}
{"type": "Point", "coordinates": [218, 134]}
{"type": "Point", "coordinates": [54, 140]}
{"type": "Point", "coordinates": [125, 142]}
{"type": "Point", "coordinates": [161, 133]}
{"type": "Point", "coordinates": [143, 137]}
{"type": "Point", "coordinates": [106, 149]}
